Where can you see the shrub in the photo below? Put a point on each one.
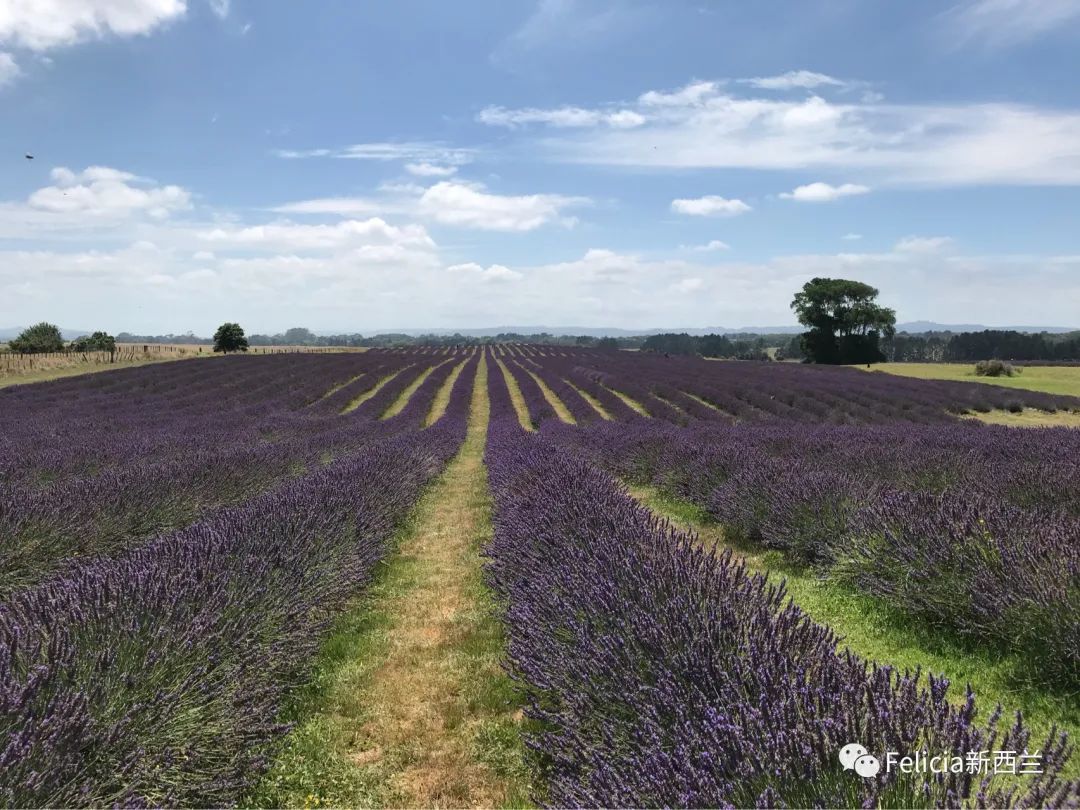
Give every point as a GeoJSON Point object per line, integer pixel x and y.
{"type": "Point", "coordinates": [995, 368]}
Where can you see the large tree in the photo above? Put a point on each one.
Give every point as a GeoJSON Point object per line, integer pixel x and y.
{"type": "Point", "coordinates": [230, 338]}
{"type": "Point", "coordinates": [845, 325]}
{"type": "Point", "coordinates": [41, 337]}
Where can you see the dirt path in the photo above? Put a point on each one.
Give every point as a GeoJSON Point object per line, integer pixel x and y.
{"type": "Point", "coordinates": [415, 710]}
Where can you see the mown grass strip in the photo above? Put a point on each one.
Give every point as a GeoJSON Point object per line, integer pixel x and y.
{"type": "Point", "coordinates": [442, 397]}
{"type": "Point", "coordinates": [516, 398]}
{"type": "Point", "coordinates": [876, 632]}
{"type": "Point", "coordinates": [585, 395]}
{"type": "Point", "coordinates": [364, 397]}
{"type": "Point", "coordinates": [337, 388]}
{"type": "Point", "coordinates": [707, 404]}
{"type": "Point", "coordinates": [403, 398]}
{"type": "Point", "coordinates": [552, 398]}
{"type": "Point", "coordinates": [633, 404]}
{"type": "Point", "coordinates": [410, 706]}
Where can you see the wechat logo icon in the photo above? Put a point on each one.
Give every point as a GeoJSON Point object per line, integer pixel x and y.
{"type": "Point", "coordinates": [854, 757]}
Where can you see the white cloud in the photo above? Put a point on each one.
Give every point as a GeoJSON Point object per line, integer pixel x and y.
{"type": "Point", "coordinates": [562, 117]}
{"type": "Point", "coordinates": [42, 24]}
{"type": "Point", "coordinates": [348, 233]}
{"type": "Point", "coordinates": [923, 244]}
{"type": "Point", "coordinates": [471, 206]}
{"type": "Point", "coordinates": [493, 273]}
{"type": "Point", "coordinates": [345, 206]}
{"type": "Point", "coordinates": [709, 206]}
{"type": "Point", "coordinates": [386, 151]}
{"type": "Point", "coordinates": [689, 285]}
{"type": "Point", "coordinates": [105, 192]}
{"type": "Point", "coordinates": [851, 237]}
{"type": "Point", "coordinates": [220, 7]}
{"type": "Point", "coordinates": [430, 170]}
{"type": "Point", "coordinates": [823, 192]}
{"type": "Point", "coordinates": [804, 79]}
{"type": "Point", "coordinates": [9, 69]}
{"type": "Point", "coordinates": [1008, 22]}
{"type": "Point", "coordinates": [693, 94]}
{"type": "Point", "coordinates": [704, 125]}
{"type": "Point", "coordinates": [708, 247]}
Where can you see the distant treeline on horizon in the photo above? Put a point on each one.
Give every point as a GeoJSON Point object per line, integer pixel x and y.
{"type": "Point", "coordinates": [927, 347]}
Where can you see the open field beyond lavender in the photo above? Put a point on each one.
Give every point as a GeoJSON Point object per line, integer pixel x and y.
{"type": "Point", "coordinates": [532, 575]}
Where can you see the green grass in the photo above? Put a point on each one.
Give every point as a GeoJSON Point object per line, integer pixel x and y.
{"type": "Point", "coordinates": [409, 704]}
{"type": "Point", "coordinates": [312, 766]}
{"type": "Point", "coordinates": [876, 632]}
{"type": "Point", "coordinates": [1050, 379]}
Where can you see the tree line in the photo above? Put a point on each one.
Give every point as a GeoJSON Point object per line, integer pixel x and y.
{"type": "Point", "coordinates": [989, 344]}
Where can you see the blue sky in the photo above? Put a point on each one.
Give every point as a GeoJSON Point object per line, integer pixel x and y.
{"type": "Point", "coordinates": [361, 166]}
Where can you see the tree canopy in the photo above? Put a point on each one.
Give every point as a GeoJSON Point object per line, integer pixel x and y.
{"type": "Point", "coordinates": [97, 342]}
{"type": "Point", "coordinates": [39, 338]}
{"type": "Point", "coordinates": [845, 325]}
{"type": "Point", "coordinates": [230, 337]}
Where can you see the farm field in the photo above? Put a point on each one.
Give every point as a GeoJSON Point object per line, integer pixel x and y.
{"type": "Point", "coordinates": [1051, 379]}
{"type": "Point", "coordinates": [31, 368]}
{"type": "Point", "coordinates": [530, 575]}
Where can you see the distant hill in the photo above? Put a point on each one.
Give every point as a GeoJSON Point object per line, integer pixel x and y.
{"type": "Point", "coordinates": [931, 326]}
{"type": "Point", "coordinates": [13, 332]}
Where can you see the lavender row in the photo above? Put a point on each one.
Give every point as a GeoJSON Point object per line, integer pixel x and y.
{"type": "Point", "coordinates": [155, 678]}
{"type": "Point", "coordinates": [660, 674]}
{"type": "Point", "coordinates": [43, 530]}
{"type": "Point", "coordinates": [971, 528]}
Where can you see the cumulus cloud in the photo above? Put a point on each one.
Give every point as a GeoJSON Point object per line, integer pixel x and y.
{"type": "Point", "coordinates": [794, 79]}
{"type": "Point", "coordinates": [106, 192]}
{"type": "Point", "coordinates": [710, 206]}
{"type": "Point", "coordinates": [851, 237]}
{"type": "Point", "coordinates": [43, 24]}
{"type": "Point", "coordinates": [293, 236]}
{"type": "Point", "coordinates": [823, 192]}
{"type": "Point", "coordinates": [472, 206]}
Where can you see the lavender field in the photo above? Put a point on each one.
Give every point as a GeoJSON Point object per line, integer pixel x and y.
{"type": "Point", "coordinates": [189, 552]}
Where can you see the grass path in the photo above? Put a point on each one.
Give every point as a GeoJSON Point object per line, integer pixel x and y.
{"type": "Point", "coordinates": [552, 398]}
{"type": "Point", "coordinates": [872, 630]}
{"type": "Point", "coordinates": [597, 406]}
{"type": "Point", "coordinates": [442, 396]}
{"type": "Point", "coordinates": [410, 706]}
{"type": "Point", "coordinates": [403, 398]}
{"type": "Point", "coordinates": [369, 393]}
{"type": "Point", "coordinates": [517, 398]}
